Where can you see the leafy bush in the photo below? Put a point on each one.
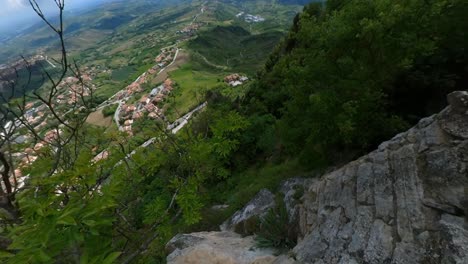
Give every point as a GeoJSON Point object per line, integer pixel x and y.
{"type": "Point", "coordinates": [109, 110]}
{"type": "Point", "coordinates": [275, 230]}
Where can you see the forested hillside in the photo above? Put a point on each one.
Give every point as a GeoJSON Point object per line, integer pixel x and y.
{"type": "Point", "coordinates": [353, 73]}
{"type": "Point", "coordinates": [349, 75]}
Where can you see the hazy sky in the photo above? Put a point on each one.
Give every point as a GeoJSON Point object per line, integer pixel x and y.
{"type": "Point", "coordinates": [16, 14]}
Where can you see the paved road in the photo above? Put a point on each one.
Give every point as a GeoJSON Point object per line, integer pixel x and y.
{"type": "Point", "coordinates": [181, 122]}
{"type": "Point", "coordinates": [174, 128]}
{"type": "Point", "coordinates": [51, 64]}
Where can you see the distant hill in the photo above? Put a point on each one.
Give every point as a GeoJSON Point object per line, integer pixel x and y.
{"type": "Point", "coordinates": [100, 19]}
{"type": "Point", "coordinates": [235, 47]}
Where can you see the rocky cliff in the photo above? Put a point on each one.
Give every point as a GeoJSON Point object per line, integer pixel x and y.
{"type": "Point", "coordinates": [405, 202]}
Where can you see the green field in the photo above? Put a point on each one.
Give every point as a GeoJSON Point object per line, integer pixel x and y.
{"type": "Point", "coordinates": [123, 73]}
{"type": "Point", "coordinates": [190, 89]}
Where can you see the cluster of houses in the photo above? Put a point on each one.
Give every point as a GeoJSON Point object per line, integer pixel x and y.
{"type": "Point", "coordinates": [164, 58]}
{"type": "Point", "coordinates": [250, 18]}
{"type": "Point", "coordinates": [253, 19]}
{"type": "Point", "coordinates": [73, 90]}
{"type": "Point", "coordinates": [190, 30]}
{"type": "Point", "coordinates": [235, 79]}
{"type": "Point", "coordinates": [34, 115]}
{"type": "Point", "coordinates": [70, 91]}
{"type": "Point", "coordinates": [148, 103]}
{"type": "Point", "coordinates": [30, 154]}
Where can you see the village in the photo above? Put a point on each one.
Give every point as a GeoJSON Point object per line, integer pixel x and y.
{"type": "Point", "coordinates": [71, 90]}
{"type": "Point", "coordinates": [134, 102]}
{"type": "Point", "coordinates": [37, 116]}
{"type": "Point", "coordinates": [127, 111]}
{"type": "Point", "coordinates": [148, 104]}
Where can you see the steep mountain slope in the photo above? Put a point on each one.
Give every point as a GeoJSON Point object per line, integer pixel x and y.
{"type": "Point", "coordinates": [405, 202]}
{"type": "Point", "coordinates": [351, 75]}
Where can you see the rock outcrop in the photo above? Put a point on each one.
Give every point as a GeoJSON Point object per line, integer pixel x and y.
{"type": "Point", "coordinates": [216, 247]}
{"type": "Point", "coordinates": [247, 216]}
{"type": "Point", "coordinates": [246, 219]}
{"type": "Point", "coordinates": [405, 202]}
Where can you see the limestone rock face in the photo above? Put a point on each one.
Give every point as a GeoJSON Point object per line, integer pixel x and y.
{"type": "Point", "coordinates": [458, 101]}
{"type": "Point", "coordinates": [244, 219]}
{"type": "Point", "coordinates": [216, 248]}
{"type": "Point", "coordinates": [403, 203]}
{"type": "Point", "coordinates": [257, 207]}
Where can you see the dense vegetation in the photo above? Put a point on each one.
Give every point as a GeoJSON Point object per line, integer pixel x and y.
{"type": "Point", "coordinates": [349, 75]}
{"type": "Point", "coordinates": [354, 73]}
{"type": "Point", "coordinates": [28, 78]}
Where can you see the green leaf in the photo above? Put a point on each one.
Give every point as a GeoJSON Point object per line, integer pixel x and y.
{"type": "Point", "coordinates": [39, 211]}
{"type": "Point", "coordinates": [111, 258]}
{"type": "Point", "coordinates": [43, 257]}
{"type": "Point", "coordinates": [4, 254]}
{"type": "Point", "coordinates": [66, 220]}
{"type": "Point", "coordinates": [90, 223]}
{"type": "Point", "coordinates": [84, 258]}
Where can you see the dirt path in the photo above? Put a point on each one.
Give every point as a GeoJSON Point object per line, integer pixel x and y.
{"type": "Point", "coordinates": [220, 67]}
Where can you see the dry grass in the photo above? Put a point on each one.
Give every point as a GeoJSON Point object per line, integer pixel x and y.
{"type": "Point", "coordinates": [97, 118]}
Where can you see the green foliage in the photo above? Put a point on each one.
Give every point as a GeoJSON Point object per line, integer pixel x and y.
{"type": "Point", "coordinates": [355, 73]}
{"type": "Point", "coordinates": [72, 222]}
{"type": "Point", "coordinates": [298, 192]}
{"type": "Point", "coordinates": [246, 183]}
{"type": "Point", "coordinates": [190, 87]}
{"type": "Point", "coordinates": [225, 133]}
{"type": "Point", "coordinates": [109, 110]}
{"type": "Point", "coordinates": [347, 76]}
{"type": "Point", "coordinates": [275, 230]}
